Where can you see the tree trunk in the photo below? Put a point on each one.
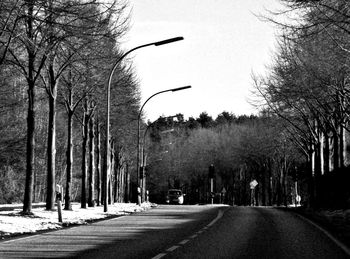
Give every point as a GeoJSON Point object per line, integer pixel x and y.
{"type": "Point", "coordinates": [121, 184]}
{"type": "Point", "coordinates": [84, 158]}
{"type": "Point", "coordinates": [127, 185]}
{"type": "Point", "coordinates": [116, 183]}
{"type": "Point", "coordinates": [321, 152]}
{"type": "Point", "coordinates": [30, 155]}
{"type": "Point", "coordinates": [279, 186]}
{"type": "Point", "coordinates": [34, 187]}
{"type": "Point", "coordinates": [342, 147]}
{"type": "Point", "coordinates": [70, 150]}
{"type": "Point", "coordinates": [310, 177]}
{"type": "Point", "coordinates": [327, 163]}
{"type": "Point", "coordinates": [263, 188]}
{"type": "Point", "coordinates": [91, 200]}
{"type": "Point", "coordinates": [51, 148]}
{"type": "Point", "coordinates": [270, 186]}
{"type": "Point", "coordinates": [98, 164]}
{"type": "Point", "coordinates": [28, 193]}
{"type": "Point", "coordinates": [335, 150]}
{"type": "Point", "coordinates": [285, 183]}
{"type": "Point", "coordinates": [319, 168]}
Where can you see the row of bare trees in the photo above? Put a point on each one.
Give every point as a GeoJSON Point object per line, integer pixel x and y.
{"type": "Point", "coordinates": [55, 58]}
{"type": "Point", "coordinates": [308, 84]}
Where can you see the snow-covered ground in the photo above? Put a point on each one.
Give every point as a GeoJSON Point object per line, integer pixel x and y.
{"type": "Point", "coordinates": [13, 223]}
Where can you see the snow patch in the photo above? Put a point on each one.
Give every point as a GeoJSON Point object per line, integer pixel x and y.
{"type": "Point", "coordinates": [13, 222]}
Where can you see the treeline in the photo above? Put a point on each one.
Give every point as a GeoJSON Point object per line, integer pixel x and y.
{"type": "Point", "coordinates": [242, 149]}
{"type": "Point", "coordinates": [308, 88]}
{"type": "Point", "coordinates": [55, 57]}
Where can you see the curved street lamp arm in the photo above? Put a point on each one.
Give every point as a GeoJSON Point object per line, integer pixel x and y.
{"type": "Point", "coordinates": [143, 105]}
{"type": "Point", "coordinates": [164, 91]}
{"type": "Point", "coordinates": [122, 57]}
{"type": "Point", "coordinates": [157, 43]}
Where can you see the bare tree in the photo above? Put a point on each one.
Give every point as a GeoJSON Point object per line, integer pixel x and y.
{"type": "Point", "coordinates": [28, 53]}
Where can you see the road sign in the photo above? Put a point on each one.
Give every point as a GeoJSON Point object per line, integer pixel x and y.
{"type": "Point", "coordinates": [253, 184]}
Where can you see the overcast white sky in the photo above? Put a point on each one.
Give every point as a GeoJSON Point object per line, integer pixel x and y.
{"type": "Point", "coordinates": [224, 42]}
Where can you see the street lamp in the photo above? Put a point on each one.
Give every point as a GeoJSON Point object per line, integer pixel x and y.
{"type": "Point", "coordinates": [138, 134]}
{"type": "Point", "coordinates": [143, 155]}
{"type": "Point", "coordinates": [107, 168]}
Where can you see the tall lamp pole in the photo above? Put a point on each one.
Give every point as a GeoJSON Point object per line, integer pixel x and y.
{"type": "Point", "coordinates": [107, 153]}
{"type": "Point", "coordinates": [143, 146]}
{"type": "Point", "coordinates": [138, 135]}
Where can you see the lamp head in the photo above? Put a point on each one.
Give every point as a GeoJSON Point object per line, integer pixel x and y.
{"type": "Point", "coordinates": [163, 42]}
{"type": "Point", "coordinates": [180, 88]}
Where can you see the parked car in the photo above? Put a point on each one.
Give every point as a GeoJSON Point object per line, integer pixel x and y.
{"type": "Point", "coordinates": [175, 196]}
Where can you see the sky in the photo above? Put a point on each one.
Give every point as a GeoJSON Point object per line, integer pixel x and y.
{"type": "Point", "coordinates": [224, 42]}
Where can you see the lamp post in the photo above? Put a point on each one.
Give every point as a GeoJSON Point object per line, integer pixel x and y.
{"type": "Point", "coordinates": [143, 155]}
{"type": "Point", "coordinates": [107, 167]}
{"type": "Point", "coordinates": [138, 135]}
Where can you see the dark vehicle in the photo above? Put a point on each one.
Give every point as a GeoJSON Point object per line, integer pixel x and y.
{"type": "Point", "coordinates": [175, 196]}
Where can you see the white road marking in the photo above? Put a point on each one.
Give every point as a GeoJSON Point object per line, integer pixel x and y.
{"type": "Point", "coordinates": [172, 248]}
{"type": "Point", "coordinates": [184, 242]}
{"type": "Point", "coordinates": [194, 236]}
{"type": "Point", "coordinates": [159, 256]}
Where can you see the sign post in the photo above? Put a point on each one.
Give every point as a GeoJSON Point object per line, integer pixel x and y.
{"type": "Point", "coordinates": [252, 185]}
{"type": "Point", "coordinates": [59, 192]}
{"type": "Point", "coordinates": [223, 192]}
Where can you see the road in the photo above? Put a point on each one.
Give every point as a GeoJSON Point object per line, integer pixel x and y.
{"type": "Point", "coordinates": [246, 232]}
{"type": "Point", "coordinates": [183, 232]}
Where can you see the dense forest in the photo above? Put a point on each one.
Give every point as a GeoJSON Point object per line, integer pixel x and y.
{"type": "Point", "coordinates": [55, 58]}
{"type": "Point", "coordinates": [241, 149]}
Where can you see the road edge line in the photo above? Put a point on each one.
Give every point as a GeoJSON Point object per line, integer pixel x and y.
{"type": "Point", "coordinates": [328, 234]}
{"type": "Point", "coordinates": [219, 216]}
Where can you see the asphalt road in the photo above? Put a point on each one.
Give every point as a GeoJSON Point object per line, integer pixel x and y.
{"type": "Point", "coordinates": [248, 232]}
{"type": "Point", "coordinates": [184, 232]}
